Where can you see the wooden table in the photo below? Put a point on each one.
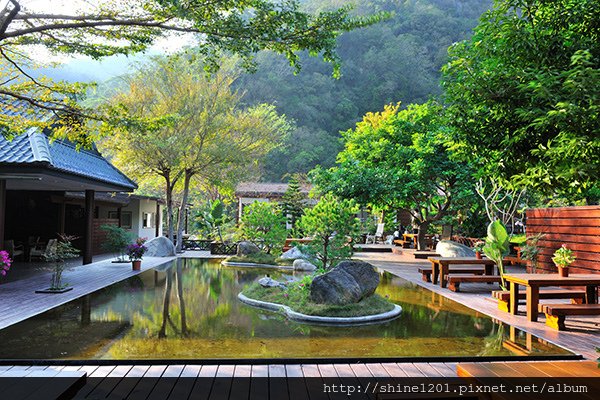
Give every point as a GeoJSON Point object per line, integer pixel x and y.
{"type": "Point", "coordinates": [441, 265]}
{"type": "Point", "coordinates": [533, 282]}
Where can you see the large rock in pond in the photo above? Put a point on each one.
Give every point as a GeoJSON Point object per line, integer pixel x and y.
{"type": "Point", "coordinates": [303, 265]}
{"type": "Point", "coordinates": [448, 248]}
{"type": "Point", "coordinates": [246, 248]}
{"type": "Point", "coordinates": [160, 247]}
{"type": "Point", "coordinates": [349, 282]}
{"type": "Point", "coordinates": [293, 254]}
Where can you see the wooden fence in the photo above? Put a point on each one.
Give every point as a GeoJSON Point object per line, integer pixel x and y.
{"type": "Point", "coordinates": [577, 227]}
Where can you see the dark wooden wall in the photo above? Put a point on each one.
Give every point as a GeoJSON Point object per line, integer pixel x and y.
{"type": "Point", "coordinates": [99, 235]}
{"type": "Point", "coordinates": [577, 227]}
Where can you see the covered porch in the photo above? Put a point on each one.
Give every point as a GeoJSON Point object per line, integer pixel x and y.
{"type": "Point", "coordinates": [35, 176]}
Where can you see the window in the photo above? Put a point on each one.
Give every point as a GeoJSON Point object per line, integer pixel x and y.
{"type": "Point", "coordinates": [125, 218]}
{"type": "Point", "coordinates": [148, 220]}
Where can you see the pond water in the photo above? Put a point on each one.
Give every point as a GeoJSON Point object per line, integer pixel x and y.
{"type": "Point", "coordinates": [189, 310]}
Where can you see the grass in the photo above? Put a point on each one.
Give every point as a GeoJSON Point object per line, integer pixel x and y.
{"type": "Point", "coordinates": [297, 297]}
{"type": "Point", "coordinates": [261, 258]}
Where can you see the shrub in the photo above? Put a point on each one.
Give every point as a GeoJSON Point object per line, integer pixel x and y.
{"type": "Point", "coordinates": [117, 240]}
{"type": "Point", "coordinates": [264, 225]}
{"type": "Point", "coordinates": [333, 226]}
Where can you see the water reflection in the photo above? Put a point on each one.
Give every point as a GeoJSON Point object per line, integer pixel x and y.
{"type": "Point", "coordinates": [189, 309]}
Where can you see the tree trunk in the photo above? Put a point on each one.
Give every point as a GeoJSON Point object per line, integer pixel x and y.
{"type": "Point", "coordinates": [169, 194]}
{"type": "Point", "coordinates": [180, 297]}
{"type": "Point", "coordinates": [324, 257]}
{"type": "Point", "coordinates": [181, 219]}
{"type": "Point", "coordinates": [162, 333]}
{"type": "Point", "coordinates": [422, 226]}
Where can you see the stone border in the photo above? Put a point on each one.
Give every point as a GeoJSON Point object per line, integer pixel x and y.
{"type": "Point", "coordinates": [296, 316]}
{"type": "Point", "coordinates": [253, 265]}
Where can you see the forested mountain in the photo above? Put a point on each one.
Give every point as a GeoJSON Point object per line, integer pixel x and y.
{"type": "Point", "coordinates": [396, 60]}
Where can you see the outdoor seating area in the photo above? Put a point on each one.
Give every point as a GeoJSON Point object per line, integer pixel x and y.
{"type": "Point", "coordinates": [299, 199]}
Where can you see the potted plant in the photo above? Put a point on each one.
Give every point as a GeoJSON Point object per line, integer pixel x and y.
{"type": "Point", "coordinates": [58, 256]}
{"type": "Point", "coordinates": [136, 251]}
{"type": "Point", "coordinates": [5, 262]}
{"type": "Point", "coordinates": [530, 251]}
{"type": "Point", "coordinates": [478, 248]}
{"type": "Point", "coordinates": [116, 241]}
{"type": "Point", "coordinates": [563, 257]}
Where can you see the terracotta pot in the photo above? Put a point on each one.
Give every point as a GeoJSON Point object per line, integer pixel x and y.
{"type": "Point", "coordinates": [136, 265]}
{"type": "Point", "coordinates": [563, 271]}
{"type": "Point", "coordinates": [478, 255]}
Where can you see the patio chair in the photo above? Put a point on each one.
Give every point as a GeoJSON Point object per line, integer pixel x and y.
{"type": "Point", "coordinates": [13, 250]}
{"type": "Point", "coordinates": [378, 234]}
{"type": "Point", "coordinates": [42, 250]}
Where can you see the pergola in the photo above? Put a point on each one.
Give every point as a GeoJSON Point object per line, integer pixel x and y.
{"type": "Point", "coordinates": [31, 162]}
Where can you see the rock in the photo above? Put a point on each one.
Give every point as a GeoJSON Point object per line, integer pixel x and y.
{"type": "Point", "coordinates": [270, 282]}
{"type": "Point", "coordinates": [349, 282]}
{"type": "Point", "coordinates": [364, 274]}
{"type": "Point", "coordinates": [160, 247]}
{"type": "Point", "coordinates": [293, 254]}
{"type": "Point", "coordinates": [448, 248]}
{"type": "Point", "coordinates": [246, 248]}
{"type": "Point", "coordinates": [303, 265]}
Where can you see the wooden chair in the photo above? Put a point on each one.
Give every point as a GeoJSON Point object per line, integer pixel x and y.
{"type": "Point", "coordinates": [13, 250]}
{"type": "Point", "coordinates": [41, 250]}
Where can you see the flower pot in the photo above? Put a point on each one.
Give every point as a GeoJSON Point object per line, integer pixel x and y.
{"type": "Point", "coordinates": [563, 271]}
{"type": "Point", "coordinates": [478, 255]}
{"type": "Point", "coordinates": [136, 265]}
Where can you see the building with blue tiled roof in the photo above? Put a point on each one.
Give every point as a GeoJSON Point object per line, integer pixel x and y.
{"type": "Point", "coordinates": [49, 187]}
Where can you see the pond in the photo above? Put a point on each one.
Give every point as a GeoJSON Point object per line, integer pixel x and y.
{"type": "Point", "coordinates": [189, 310]}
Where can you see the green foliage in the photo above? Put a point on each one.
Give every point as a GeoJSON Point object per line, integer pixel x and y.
{"type": "Point", "coordinates": [105, 28]}
{"type": "Point", "coordinates": [263, 224]}
{"type": "Point", "coordinates": [563, 257]}
{"type": "Point", "coordinates": [398, 159]}
{"type": "Point", "coordinates": [530, 250]}
{"type": "Point", "coordinates": [57, 255]}
{"type": "Point", "coordinates": [293, 201]}
{"type": "Point", "coordinates": [397, 59]}
{"type": "Point", "coordinates": [117, 240]}
{"type": "Point", "coordinates": [211, 220]}
{"type": "Point", "coordinates": [497, 246]}
{"type": "Point", "coordinates": [297, 297]}
{"type": "Point", "coordinates": [524, 95]}
{"type": "Point", "coordinates": [261, 258]}
{"type": "Point", "coordinates": [333, 226]}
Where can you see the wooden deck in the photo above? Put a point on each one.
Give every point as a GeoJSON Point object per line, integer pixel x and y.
{"type": "Point", "coordinates": [582, 337]}
{"type": "Point", "coordinates": [18, 300]}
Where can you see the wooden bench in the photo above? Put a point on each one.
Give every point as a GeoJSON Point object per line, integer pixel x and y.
{"type": "Point", "coordinates": [503, 296]}
{"type": "Point", "coordinates": [425, 254]}
{"type": "Point", "coordinates": [405, 244]}
{"type": "Point", "coordinates": [426, 272]}
{"type": "Point", "coordinates": [454, 281]}
{"type": "Point", "coordinates": [556, 313]}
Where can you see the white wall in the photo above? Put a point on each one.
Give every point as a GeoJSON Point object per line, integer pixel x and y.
{"type": "Point", "coordinates": [137, 208]}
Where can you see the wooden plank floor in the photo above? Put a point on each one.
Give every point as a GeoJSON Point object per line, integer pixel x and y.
{"type": "Point", "coordinates": [18, 300]}
{"type": "Point", "coordinates": [583, 336]}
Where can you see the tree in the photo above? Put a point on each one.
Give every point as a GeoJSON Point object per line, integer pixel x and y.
{"type": "Point", "coordinates": [333, 226]}
{"type": "Point", "coordinates": [206, 130]}
{"type": "Point", "coordinates": [105, 28]}
{"type": "Point", "coordinates": [524, 95]}
{"type": "Point", "coordinates": [292, 201]}
{"type": "Point", "coordinates": [397, 159]}
{"type": "Point", "coordinates": [264, 225]}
